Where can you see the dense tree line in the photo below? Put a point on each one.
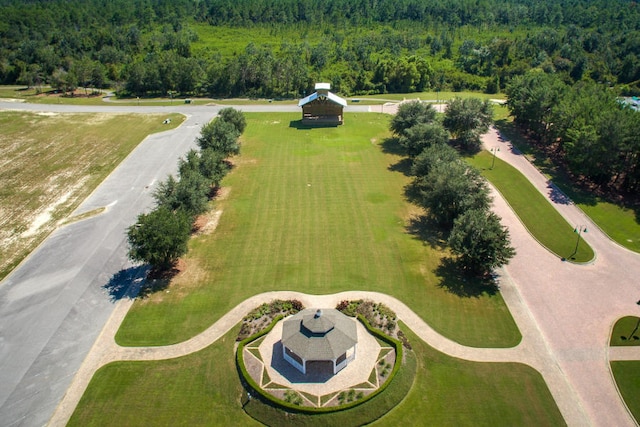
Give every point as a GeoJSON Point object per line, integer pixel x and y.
{"type": "Point", "coordinates": [452, 193]}
{"type": "Point", "coordinates": [585, 126]}
{"type": "Point", "coordinates": [160, 237]}
{"type": "Point", "coordinates": [144, 47]}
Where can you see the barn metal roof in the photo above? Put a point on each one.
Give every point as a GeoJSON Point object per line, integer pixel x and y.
{"type": "Point", "coordinates": [330, 96]}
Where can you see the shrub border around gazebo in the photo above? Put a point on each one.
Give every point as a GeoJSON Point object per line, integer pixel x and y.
{"type": "Point", "coordinates": [250, 382]}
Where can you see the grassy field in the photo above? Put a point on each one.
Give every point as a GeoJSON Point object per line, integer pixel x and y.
{"type": "Point", "coordinates": [626, 375]}
{"type": "Point", "coordinates": [51, 162]}
{"type": "Point", "coordinates": [204, 389]}
{"type": "Point", "coordinates": [541, 219]}
{"type": "Point", "coordinates": [450, 391]}
{"type": "Point", "coordinates": [619, 222]}
{"type": "Point", "coordinates": [318, 211]}
{"type": "Point", "coordinates": [621, 334]}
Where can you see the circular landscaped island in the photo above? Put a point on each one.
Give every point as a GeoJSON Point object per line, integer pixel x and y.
{"type": "Point", "coordinates": [319, 360]}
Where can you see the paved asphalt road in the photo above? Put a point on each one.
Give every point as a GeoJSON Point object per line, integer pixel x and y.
{"type": "Point", "coordinates": [53, 306]}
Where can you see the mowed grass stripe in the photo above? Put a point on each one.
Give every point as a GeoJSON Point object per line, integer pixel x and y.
{"type": "Point", "coordinates": [316, 211]}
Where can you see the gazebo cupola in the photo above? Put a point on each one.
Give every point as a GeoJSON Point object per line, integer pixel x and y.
{"type": "Point", "coordinates": [319, 335]}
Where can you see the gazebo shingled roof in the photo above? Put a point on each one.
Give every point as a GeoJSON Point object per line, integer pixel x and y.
{"type": "Point", "coordinates": [319, 335]}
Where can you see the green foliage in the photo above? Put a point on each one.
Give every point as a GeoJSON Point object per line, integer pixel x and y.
{"type": "Point", "coordinates": [421, 136]}
{"type": "Point", "coordinates": [432, 156]}
{"type": "Point", "coordinates": [190, 193]}
{"type": "Point", "coordinates": [220, 48]}
{"type": "Point", "coordinates": [467, 119]}
{"type": "Point", "coordinates": [220, 136]}
{"type": "Point", "coordinates": [587, 126]}
{"type": "Point", "coordinates": [531, 98]}
{"type": "Point", "coordinates": [376, 314]}
{"type": "Point", "coordinates": [208, 163]}
{"type": "Point", "coordinates": [454, 194]}
{"type": "Point", "coordinates": [538, 215]}
{"type": "Point", "coordinates": [410, 114]}
{"type": "Point", "coordinates": [480, 242]}
{"type": "Point", "coordinates": [235, 117]}
{"type": "Point", "coordinates": [448, 190]}
{"type": "Point", "coordinates": [292, 397]}
{"type": "Point", "coordinates": [159, 237]}
{"type": "Point", "coordinates": [213, 166]}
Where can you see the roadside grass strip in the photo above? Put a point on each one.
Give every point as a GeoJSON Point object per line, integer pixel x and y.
{"type": "Point", "coordinates": [621, 223]}
{"type": "Point", "coordinates": [626, 332]}
{"type": "Point", "coordinates": [626, 374]}
{"type": "Point", "coordinates": [540, 218]}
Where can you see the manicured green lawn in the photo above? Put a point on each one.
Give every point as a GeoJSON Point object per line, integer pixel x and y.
{"type": "Point", "coordinates": [626, 374]}
{"type": "Point", "coordinates": [204, 389]}
{"type": "Point", "coordinates": [620, 223]}
{"type": "Point", "coordinates": [454, 392]}
{"type": "Point", "coordinates": [622, 330]}
{"type": "Point", "coordinates": [199, 389]}
{"type": "Point", "coordinates": [317, 211]}
{"type": "Point", "coordinates": [541, 219]}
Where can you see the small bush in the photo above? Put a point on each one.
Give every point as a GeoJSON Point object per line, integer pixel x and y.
{"type": "Point", "coordinates": [292, 397]}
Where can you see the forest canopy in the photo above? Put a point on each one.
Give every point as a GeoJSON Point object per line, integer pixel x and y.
{"type": "Point", "coordinates": [158, 47]}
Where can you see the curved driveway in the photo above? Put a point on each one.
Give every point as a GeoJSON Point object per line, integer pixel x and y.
{"type": "Point", "coordinates": [53, 307]}
{"type": "Point", "coordinates": [574, 306]}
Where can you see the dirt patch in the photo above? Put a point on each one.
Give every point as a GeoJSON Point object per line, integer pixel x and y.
{"type": "Point", "coordinates": [49, 162]}
{"type": "Point", "coordinates": [207, 223]}
{"type": "Point", "coordinates": [223, 193]}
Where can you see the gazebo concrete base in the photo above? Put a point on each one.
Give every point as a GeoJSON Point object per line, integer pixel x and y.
{"type": "Point", "coordinates": [318, 380]}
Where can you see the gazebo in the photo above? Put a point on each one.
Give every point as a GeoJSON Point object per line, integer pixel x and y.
{"type": "Point", "coordinates": [319, 335]}
{"type": "Point", "coordinates": [322, 107]}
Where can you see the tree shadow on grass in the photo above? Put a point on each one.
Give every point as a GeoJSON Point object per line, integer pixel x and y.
{"type": "Point", "coordinates": [453, 280]}
{"type": "Point", "coordinates": [403, 166]}
{"type": "Point", "coordinates": [424, 229]}
{"type": "Point", "coordinates": [158, 280]}
{"type": "Point", "coordinates": [300, 125]}
{"type": "Point", "coordinates": [392, 146]}
{"type": "Point", "coordinates": [126, 283]}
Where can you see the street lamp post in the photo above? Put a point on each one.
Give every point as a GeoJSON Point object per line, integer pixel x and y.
{"type": "Point", "coordinates": [493, 159]}
{"type": "Point", "coordinates": [579, 229]}
{"type": "Point", "coordinates": [631, 335]}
